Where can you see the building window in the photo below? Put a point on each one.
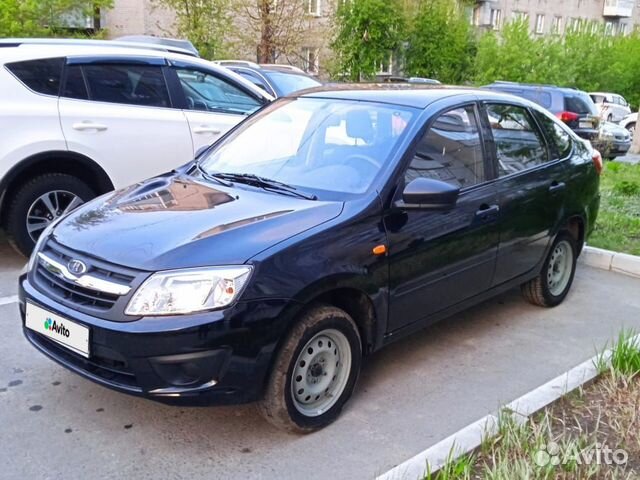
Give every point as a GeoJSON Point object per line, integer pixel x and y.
{"type": "Point", "coordinates": [575, 24]}
{"type": "Point", "coordinates": [622, 29]}
{"type": "Point", "coordinates": [608, 28]}
{"type": "Point", "coordinates": [539, 23]}
{"type": "Point", "coordinates": [310, 59]}
{"type": "Point", "coordinates": [496, 18]}
{"type": "Point", "coordinates": [385, 67]}
{"type": "Point", "coordinates": [477, 16]}
{"type": "Point", "coordinates": [521, 16]}
{"type": "Point", "coordinates": [557, 25]}
{"type": "Point", "coordinates": [313, 7]}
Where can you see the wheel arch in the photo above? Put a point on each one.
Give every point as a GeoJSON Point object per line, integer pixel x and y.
{"type": "Point", "coordinates": [55, 161]}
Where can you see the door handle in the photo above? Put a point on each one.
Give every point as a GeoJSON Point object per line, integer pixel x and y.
{"type": "Point", "coordinates": [206, 129]}
{"type": "Point", "coordinates": [89, 126]}
{"type": "Point", "coordinates": [557, 186]}
{"type": "Point", "coordinates": [487, 213]}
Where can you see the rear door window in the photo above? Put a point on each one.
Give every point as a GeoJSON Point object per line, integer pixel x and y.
{"type": "Point", "coordinates": [556, 134]}
{"type": "Point", "coordinates": [142, 85]}
{"type": "Point", "coordinates": [519, 144]}
{"type": "Point", "coordinates": [41, 76]}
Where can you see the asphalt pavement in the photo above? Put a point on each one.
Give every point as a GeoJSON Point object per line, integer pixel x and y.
{"type": "Point", "coordinates": [56, 425]}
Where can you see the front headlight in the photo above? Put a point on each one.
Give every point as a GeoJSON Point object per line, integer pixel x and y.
{"type": "Point", "coordinates": [190, 290]}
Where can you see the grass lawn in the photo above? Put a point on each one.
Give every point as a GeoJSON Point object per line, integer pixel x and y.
{"type": "Point", "coordinates": [618, 225]}
{"type": "Point", "coordinates": [592, 433]}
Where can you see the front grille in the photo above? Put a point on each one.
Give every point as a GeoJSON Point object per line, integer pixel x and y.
{"type": "Point", "coordinates": [76, 296]}
{"type": "Point", "coordinates": [105, 366]}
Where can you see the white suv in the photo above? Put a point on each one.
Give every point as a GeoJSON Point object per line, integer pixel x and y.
{"type": "Point", "coordinates": [80, 118]}
{"type": "Point", "coordinates": [613, 107]}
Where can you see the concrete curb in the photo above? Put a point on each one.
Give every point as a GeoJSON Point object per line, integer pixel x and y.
{"type": "Point", "coordinates": [472, 436]}
{"type": "Point", "coordinates": [613, 261]}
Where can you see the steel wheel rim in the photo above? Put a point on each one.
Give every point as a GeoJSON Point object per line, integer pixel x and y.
{"type": "Point", "coordinates": [47, 207]}
{"type": "Point", "coordinates": [560, 266]}
{"type": "Point", "coordinates": [321, 373]}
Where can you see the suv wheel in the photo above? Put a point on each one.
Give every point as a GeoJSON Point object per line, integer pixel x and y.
{"type": "Point", "coordinates": [631, 128]}
{"type": "Point", "coordinates": [553, 283]}
{"type": "Point", "coordinates": [40, 201]}
{"type": "Point", "coordinates": [314, 373]}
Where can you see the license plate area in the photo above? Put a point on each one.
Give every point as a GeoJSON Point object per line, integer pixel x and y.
{"type": "Point", "coordinates": [69, 334]}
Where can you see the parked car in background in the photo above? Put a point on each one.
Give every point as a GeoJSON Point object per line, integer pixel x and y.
{"type": "Point", "coordinates": [416, 80]}
{"type": "Point", "coordinates": [79, 118]}
{"type": "Point", "coordinates": [629, 122]}
{"type": "Point", "coordinates": [612, 107]}
{"type": "Point", "coordinates": [323, 228]}
{"type": "Point", "coordinates": [276, 80]}
{"type": "Point", "coordinates": [613, 141]}
{"type": "Point", "coordinates": [573, 107]}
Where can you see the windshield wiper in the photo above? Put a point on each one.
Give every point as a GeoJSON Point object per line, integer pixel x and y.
{"type": "Point", "coordinates": [262, 182]}
{"type": "Point", "coordinates": [208, 176]}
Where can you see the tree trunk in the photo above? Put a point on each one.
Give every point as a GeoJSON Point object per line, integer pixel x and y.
{"type": "Point", "coordinates": [265, 53]}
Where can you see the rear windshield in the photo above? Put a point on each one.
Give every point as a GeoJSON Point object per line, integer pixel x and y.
{"type": "Point", "coordinates": [597, 98]}
{"type": "Point", "coordinates": [41, 76]}
{"type": "Point", "coordinates": [580, 104]}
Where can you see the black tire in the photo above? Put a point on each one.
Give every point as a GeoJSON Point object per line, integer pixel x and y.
{"type": "Point", "coordinates": [610, 118]}
{"type": "Point", "coordinates": [631, 128]}
{"type": "Point", "coordinates": [538, 291]}
{"type": "Point", "coordinates": [28, 193]}
{"type": "Point", "coordinates": [278, 405]}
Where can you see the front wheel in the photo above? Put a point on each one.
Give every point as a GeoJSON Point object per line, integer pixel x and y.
{"type": "Point", "coordinates": [38, 202]}
{"type": "Point", "coordinates": [631, 128]}
{"type": "Point", "coordinates": [553, 283]}
{"type": "Point", "coordinates": [314, 373]}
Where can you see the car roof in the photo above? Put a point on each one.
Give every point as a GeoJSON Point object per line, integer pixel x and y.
{"type": "Point", "coordinates": [401, 94]}
{"type": "Point", "coordinates": [34, 51]}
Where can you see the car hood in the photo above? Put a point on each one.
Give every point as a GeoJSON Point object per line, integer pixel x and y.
{"type": "Point", "coordinates": [178, 221]}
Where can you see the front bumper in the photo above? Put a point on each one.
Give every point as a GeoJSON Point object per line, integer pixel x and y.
{"type": "Point", "coordinates": [218, 357]}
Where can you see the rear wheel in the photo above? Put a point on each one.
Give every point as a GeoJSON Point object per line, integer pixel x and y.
{"type": "Point", "coordinates": [39, 202]}
{"type": "Point", "coordinates": [553, 283]}
{"type": "Point", "coordinates": [315, 372]}
{"type": "Point", "coordinates": [610, 118]}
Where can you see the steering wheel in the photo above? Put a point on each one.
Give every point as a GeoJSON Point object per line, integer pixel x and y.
{"type": "Point", "coordinates": [359, 157]}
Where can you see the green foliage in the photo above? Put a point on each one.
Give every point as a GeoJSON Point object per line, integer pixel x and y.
{"type": "Point", "coordinates": [618, 223]}
{"type": "Point", "coordinates": [46, 18]}
{"type": "Point", "coordinates": [585, 58]}
{"type": "Point", "coordinates": [367, 32]}
{"type": "Point", "coordinates": [441, 43]}
{"type": "Point", "coordinates": [625, 355]}
{"type": "Point", "coordinates": [204, 22]}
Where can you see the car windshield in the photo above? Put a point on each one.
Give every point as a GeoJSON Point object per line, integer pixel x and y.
{"type": "Point", "coordinates": [316, 144]}
{"type": "Point", "coordinates": [289, 82]}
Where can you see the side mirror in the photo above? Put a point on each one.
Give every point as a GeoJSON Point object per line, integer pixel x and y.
{"type": "Point", "coordinates": [428, 193]}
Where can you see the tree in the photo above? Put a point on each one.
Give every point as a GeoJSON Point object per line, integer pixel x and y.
{"type": "Point", "coordinates": [205, 23]}
{"type": "Point", "coordinates": [367, 33]}
{"type": "Point", "coordinates": [276, 26]}
{"type": "Point", "coordinates": [48, 18]}
{"type": "Point", "coordinates": [441, 43]}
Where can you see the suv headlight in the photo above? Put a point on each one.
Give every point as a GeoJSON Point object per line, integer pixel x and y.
{"type": "Point", "coordinates": [175, 292]}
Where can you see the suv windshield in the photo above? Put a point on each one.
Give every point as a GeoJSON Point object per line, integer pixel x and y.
{"type": "Point", "coordinates": [318, 144]}
{"type": "Point", "coordinates": [288, 83]}
{"type": "Point", "coordinates": [579, 103]}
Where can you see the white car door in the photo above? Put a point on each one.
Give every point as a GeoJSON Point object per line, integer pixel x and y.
{"type": "Point", "coordinates": [212, 104]}
{"type": "Point", "coordinates": [118, 112]}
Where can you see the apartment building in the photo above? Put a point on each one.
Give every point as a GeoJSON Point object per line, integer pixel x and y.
{"type": "Point", "coordinates": [135, 17]}
{"type": "Point", "coordinates": [618, 17]}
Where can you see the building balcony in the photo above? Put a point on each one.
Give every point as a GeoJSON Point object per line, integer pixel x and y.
{"type": "Point", "coordinates": [618, 8]}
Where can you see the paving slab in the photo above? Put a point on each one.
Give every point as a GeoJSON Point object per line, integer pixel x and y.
{"type": "Point", "coordinates": [55, 425]}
